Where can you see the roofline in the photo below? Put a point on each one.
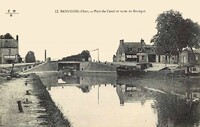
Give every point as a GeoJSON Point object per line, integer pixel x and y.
{"type": "Point", "coordinates": [8, 47]}
{"type": "Point", "coordinates": [7, 39]}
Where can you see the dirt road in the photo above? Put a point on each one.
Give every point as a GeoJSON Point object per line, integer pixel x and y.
{"type": "Point", "coordinates": [35, 111]}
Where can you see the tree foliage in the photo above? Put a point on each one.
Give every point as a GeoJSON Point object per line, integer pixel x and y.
{"type": "Point", "coordinates": [84, 55]}
{"type": "Point", "coordinates": [175, 33]}
{"type": "Point", "coordinates": [192, 33]}
{"type": "Point", "coordinates": [6, 36]}
{"type": "Point", "coordinates": [30, 57]}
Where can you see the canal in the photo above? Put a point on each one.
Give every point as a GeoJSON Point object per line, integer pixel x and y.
{"type": "Point", "coordinates": [109, 101]}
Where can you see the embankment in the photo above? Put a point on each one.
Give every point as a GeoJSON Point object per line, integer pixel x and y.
{"type": "Point", "coordinates": [54, 116]}
{"type": "Point", "coordinates": [96, 69]}
{"type": "Point", "coordinates": [96, 66]}
{"type": "Point", "coordinates": [48, 66]}
{"type": "Point", "coordinates": [37, 108]}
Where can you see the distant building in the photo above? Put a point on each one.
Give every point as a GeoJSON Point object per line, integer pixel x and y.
{"type": "Point", "coordinates": [186, 57]}
{"type": "Point", "coordinates": [9, 51]}
{"type": "Point", "coordinates": [135, 52]}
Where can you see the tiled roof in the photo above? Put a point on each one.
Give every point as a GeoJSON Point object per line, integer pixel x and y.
{"type": "Point", "coordinates": [8, 43]}
{"type": "Point", "coordinates": [131, 47]}
{"type": "Point", "coordinates": [149, 49]}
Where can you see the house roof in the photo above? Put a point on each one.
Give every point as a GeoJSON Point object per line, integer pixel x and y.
{"type": "Point", "coordinates": [8, 43]}
{"type": "Point", "coordinates": [131, 47]}
{"type": "Point", "coordinates": [149, 49]}
{"type": "Point", "coordinates": [135, 47]}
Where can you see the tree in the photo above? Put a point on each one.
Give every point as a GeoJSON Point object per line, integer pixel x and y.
{"type": "Point", "coordinates": [6, 36]}
{"type": "Point", "coordinates": [166, 39]}
{"type": "Point", "coordinates": [175, 33]}
{"type": "Point", "coordinates": [85, 54]}
{"type": "Point", "coordinates": [192, 36]}
{"type": "Point", "coordinates": [30, 57]}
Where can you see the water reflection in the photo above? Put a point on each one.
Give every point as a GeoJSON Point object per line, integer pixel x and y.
{"type": "Point", "coordinates": [173, 111]}
{"type": "Point", "coordinates": [116, 101]}
{"type": "Point", "coordinates": [129, 93]}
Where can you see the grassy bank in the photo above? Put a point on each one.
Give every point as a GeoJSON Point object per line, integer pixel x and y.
{"type": "Point", "coordinates": [2, 79]}
{"type": "Point", "coordinates": [54, 117]}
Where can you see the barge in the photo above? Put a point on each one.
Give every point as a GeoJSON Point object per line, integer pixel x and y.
{"type": "Point", "coordinates": [137, 70]}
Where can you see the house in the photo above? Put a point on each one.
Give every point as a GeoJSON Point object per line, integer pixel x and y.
{"type": "Point", "coordinates": [9, 50]}
{"type": "Point", "coordinates": [135, 52]}
{"type": "Point", "coordinates": [186, 57]}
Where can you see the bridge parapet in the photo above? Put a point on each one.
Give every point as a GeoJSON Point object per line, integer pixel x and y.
{"type": "Point", "coordinates": [48, 66]}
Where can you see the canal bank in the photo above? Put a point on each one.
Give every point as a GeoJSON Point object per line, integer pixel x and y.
{"type": "Point", "coordinates": [37, 108]}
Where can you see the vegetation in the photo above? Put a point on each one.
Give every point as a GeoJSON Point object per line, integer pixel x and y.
{"type": "Point", "coordinates": [54, 117]}
{"type": "Point", "coordinates": [175, 33]}
{"type": "Point", "coordinates": [6, 36]}
{"type": "Point", "coordinates": [30, 57]}
{"type": "Point", "coordinates": [83, 56]}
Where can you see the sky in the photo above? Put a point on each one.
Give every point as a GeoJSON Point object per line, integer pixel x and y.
{"type": "Point", "coordinates": [63, 34]}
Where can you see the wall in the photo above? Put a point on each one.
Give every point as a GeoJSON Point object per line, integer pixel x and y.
{"type": "Point", "coordinates": [120, 55]}
{"type": "Point", "coordinates": [49, 66]}
{"type": "Point", "coordinates": [96, 66]}
{"type": "Point", "coordinates": [143, 57]}
{"type": "Point", "coordinates": [9, 47]}
{"type": "Point", "coordinates": [5, 52]}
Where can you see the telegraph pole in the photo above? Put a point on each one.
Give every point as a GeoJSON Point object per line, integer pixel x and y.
{"type": "Point", "coordinates": [97, 53]}
{"type": "Point", "coordinates": [45, 55]}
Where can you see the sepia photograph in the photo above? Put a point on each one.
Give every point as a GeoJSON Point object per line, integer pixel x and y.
{"type": "Point", "coordinates": [104, 63]}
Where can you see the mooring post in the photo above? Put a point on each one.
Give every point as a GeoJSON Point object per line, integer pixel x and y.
{"type": "Point", "coordinates": [20, 106]}
{"type": "Point", "coordinates": [28, 92]}
{"type": "Point", "coordinates": [12, 70]}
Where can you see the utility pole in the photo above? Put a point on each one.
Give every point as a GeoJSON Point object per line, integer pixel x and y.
{"type": "Point", "coordinates": [45, 55]}
{"type": "Point", "coordinates": [97, 53]}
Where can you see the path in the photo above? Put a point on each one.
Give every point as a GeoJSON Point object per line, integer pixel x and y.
{"type": "Point", "coordinates": [10, 93]}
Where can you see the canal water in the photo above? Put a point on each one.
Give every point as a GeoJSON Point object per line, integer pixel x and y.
{"type": "Point", "coordinates": [109, 101]}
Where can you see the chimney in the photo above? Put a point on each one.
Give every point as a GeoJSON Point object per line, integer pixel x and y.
{"type": "Point", "coordinates": [122, 42]}
{"type": "Point", "coordinates": [142, 42]}
{"type": "Point", "coordinates": [17, 37]}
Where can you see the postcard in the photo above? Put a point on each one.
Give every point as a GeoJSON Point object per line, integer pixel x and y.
{"type": "Point", "coordinates": [104, 63]}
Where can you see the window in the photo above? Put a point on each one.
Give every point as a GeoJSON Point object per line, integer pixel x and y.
{"type": "Point", "coordinates": [194, 69]}
{"type": "Point", "coordinates": [194, 95]}
{"type": "Point", "coordinates": [159, 58]}
{"type": "Point", "coordinates": [130, 49]}
{"type": "Point", "coordinates": [9, 51]}
{"type": "Point", "coordinates": [143, 57]}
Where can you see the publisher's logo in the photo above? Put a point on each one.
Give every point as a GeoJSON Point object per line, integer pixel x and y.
{"type": "Point", "coordinates": [11, 12]}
